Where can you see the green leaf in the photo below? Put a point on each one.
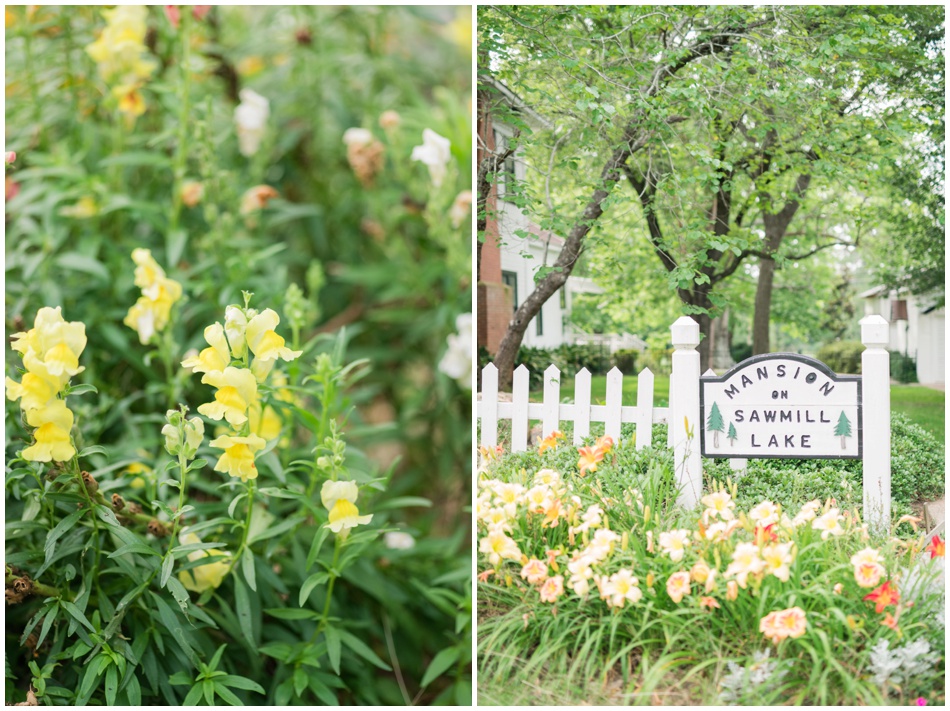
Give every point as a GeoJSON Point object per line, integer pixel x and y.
{"type": "Point", "coordinates": [216, 659]}
{"type": "Point", "coordinates": [59, 529]}
{"type": "Point", "coordinates": [179, 592]}
{"type": "Point", "coordinates": [80, 389]}
{"type": "Point", "coordinates": [180, 678]}
{"type": "Point", "coordinates": [240, 682]}
{"type": "Point", "coordinates": [309, 584]}
{"type": "Point", "coordinates": [292, 613]}
{"type": "Point", "coordinates": [300, 680]}
{"type": "Point", "coordinates": [226, 694]}
{"type": "Point", "coordinates": [193, 696]}
{"type": "Point", "coordinates": [361, 649]}
{"type": "Point", "coordinates": [76, 614]}
{"type": "Point", "coordinates": [112, 684]}
{"type": "Point", "coordinates": [106, 514]}
{"type": "Point", "coordinates": [272, 531]}
{"type": "Point", "coordinates": [316, 545]}
{"type": "Point", "coordinates": [234, 502]}
{"type": "Point", "coordinates": [247, 567]}
{"type": "Point", "coordinates": [140, 548]}
{"type": "Point", "coordinates": [207, 687]}
{"type": "Point", "coordinates": [439, 664]}
{"type": "Point", "coordinates": [133, 691]}
{"type": "Point", "coordinates": [167, 566]}
{"type": "Point", "coordinates": [401, 502]}
{"type": "Point", "coordinates": [47, 623]}
{"type": "Point", "coordinates": [82, 263]}
{"type": "Point", "coordinates": [94, 449]}
{"type": "Point", "coordinates": [334, 648]}
{"type": "Point", "coordinates": [242, 605]}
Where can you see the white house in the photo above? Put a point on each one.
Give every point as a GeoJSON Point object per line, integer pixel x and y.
{"type": "Point", "coordinates": [916, 329]}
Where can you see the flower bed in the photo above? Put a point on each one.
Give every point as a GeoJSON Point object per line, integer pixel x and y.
{"type": "Point", "coordinates": [586, 561]}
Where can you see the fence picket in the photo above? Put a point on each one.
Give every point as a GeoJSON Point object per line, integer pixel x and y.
{"type": "Point", "coordinates": [614, 403]}
{"type": "Point", "coordinates": [581, 405]}
{"type": "Point", "coordinates": [552, 400]}
{"type": "Point", "coordinates": [645, 408]}
{"type": "Point", "coordinates": [488, 408]}
{"type": "Point", "coordinates": [519, 414]}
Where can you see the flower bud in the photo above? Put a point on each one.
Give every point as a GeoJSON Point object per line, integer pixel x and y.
{"type": "Point", "coordinates": [157, 528]}
{"type": "Point", "coordinates": [92, 486]}
{"type": "Point", "coordinates": [118, 503]}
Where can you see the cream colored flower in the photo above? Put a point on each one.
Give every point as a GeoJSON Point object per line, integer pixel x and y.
{"type": "Point", "coordinates": [677, 585]}
{"type": "Point", "coordinates": [622, 587]}
{"type": "Point", "coordinates": [251, 118]}
{"type": "Point", "coordinates": [435, 153]}
{"type": "Point", "coordinates": [674, 543]}
{"type": "Point", "coordinates": [829, 524]}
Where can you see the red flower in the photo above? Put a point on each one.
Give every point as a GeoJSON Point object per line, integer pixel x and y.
{"type": "Point", "coordinates": [763, 534]}
{"type": "Point", "coordinates": [937, 547]}
{"type": "Point", "coordinates": [883, 596]}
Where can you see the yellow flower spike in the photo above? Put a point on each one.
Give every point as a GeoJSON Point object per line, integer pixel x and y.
{"type": "Point", "coordinates": [53, 423]}
{"type": "Point", "coordinates": [650, 579]}
{"type": "Point", "coordinates": [130, 99]}
{"type": "Point", "coordinates": [33, 392]}
{"type": "Point", "coordinates": [646, 514]}
{"type": "Point", "coordinates": [216, 357]}
{"type": "Point", "coordinates": [344, 515]}
{"type": "Point", "coordinates": [238, 457]}
{"type": "Point", "coordinates": [237, 391]}
{"type": "Point", "coordinates": [263, 340]}
{"type": "Point", "coordinates": [264, 421]}
{"type": "Point", "coordinates": [624, 540]}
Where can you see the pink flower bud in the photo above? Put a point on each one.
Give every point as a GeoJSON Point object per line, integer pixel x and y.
{"type": "Point", "coordinates": [9, 157]}
{"type": "Point", "coordinates": [173, 14]}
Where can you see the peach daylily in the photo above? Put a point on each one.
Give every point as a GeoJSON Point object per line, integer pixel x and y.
{"type": "Point", "coordinates": [590, 457]}
{"type": "Point", "coordinates": [552, 589]}
{"type": "Point", "coordinates": [534, 571]}
{"type": "Point", "coordinates": [709, 602]}
{"type": "Point", "coordinates": [677, 585]}
{"type": "Point", "coordinates": [550, 442]}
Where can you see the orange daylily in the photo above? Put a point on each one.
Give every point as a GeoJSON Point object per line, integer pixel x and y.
{"type": "Point", "coordinates": [550, 442]}
{"type": "Point", "coordinates": [590, 457]}
{"type": "Point", "coordinates": [889, 621]}
{"type": "Point", "coordinates": [604, 444]}
{"type": "Point", "coordinates": [883, 596]}
{"type": "Point", "coordinates": [709, 602]}
{"type": "Point", "coordinates": [937, 547]}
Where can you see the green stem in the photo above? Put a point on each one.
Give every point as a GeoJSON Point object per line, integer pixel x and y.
{"type": "Point", "coordinates": [38, 587]}
{"type": "Point", "coordinates": [180, 154]}
{"type": "Point", "coordinates": [183, 469]}
{"type": "Point", "coordinates": [95, 518]}
{"type": "Point", "coordinates": [333, 576]}
{"type": "Point", "coordinates": [166, 352]}
{"type": "Point", "coordinates": [247, 526]}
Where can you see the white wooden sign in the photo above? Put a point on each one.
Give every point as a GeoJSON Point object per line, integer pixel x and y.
{"type": "Point", "coordinates": [781, 406]}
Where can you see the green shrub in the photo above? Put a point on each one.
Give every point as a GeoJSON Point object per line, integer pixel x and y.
{"type": "Point", "coordinates": [740, 351]}
{"type": "Point", "coordinates": [842, 356]}
{"type": "Point", "coordinates": [626, 360]}
{"type": "Point", "coordinates": [903, 368]}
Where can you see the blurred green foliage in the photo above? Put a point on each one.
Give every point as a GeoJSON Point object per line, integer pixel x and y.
{"type": "Point", "coordinates": [378, 269]}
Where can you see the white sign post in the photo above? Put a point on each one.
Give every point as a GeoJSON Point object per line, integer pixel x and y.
{"type": "Point", "coordinates": [876, 386]}
{"type": "Point", "coordinates": [781, 406]}
{"type": "Point", "coordinates": [685, 424]}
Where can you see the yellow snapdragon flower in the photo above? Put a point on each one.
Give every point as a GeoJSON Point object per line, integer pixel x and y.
{"type": "Point", "coordinates": [339, 497]}
{"type": "Point", "coordinates": [203, 577]}
{"type": "Point", "coordinates": [52, 422]}
{"type": "Point", "coordinates": [151, 313]}
{"type": "Point", "coordinates": [237, 391]}
{"type": "Point", "coordinates": [265, 344]}
{"type": "Point", "coordinates": [238, 457]}
{"type": "Point", "coordinates": [217, 356]}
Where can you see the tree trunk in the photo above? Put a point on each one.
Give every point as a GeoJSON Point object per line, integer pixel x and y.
{"type": "Point", "coordinates": [763, 306]}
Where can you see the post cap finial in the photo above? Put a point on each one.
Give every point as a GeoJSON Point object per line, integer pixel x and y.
{"type": "Point", "coordinates": [875, 331]}
{"type": "Point", "coordinates": [685, 333]}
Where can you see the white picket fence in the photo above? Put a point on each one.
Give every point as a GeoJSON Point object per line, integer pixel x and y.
{"type": "Point", "coordinates": [682, 415]}
{"type": "Point", "coordinates": [552, 411]}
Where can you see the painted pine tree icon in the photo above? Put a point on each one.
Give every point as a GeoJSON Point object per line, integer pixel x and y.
{"type": "Point", "coordinates": [715, 424]}
{"type": "Point", "coordinates": [732, 434]}
{"type": "Point", "coordinates": [843, 428]}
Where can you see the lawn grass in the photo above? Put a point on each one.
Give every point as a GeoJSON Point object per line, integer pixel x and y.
{"type": "Point", "coordinates": [925, 406]}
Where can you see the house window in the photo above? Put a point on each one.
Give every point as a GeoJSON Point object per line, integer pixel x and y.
{"type": "Point", "coordinates": [507, 171]}
{"type": "Point", "coordinates": [539, 323]}
{"type": "Point", "coordinates": [510, 279]}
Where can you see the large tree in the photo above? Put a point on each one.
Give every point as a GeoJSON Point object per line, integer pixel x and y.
{"type": "Point", "coordinates": [729, 124]}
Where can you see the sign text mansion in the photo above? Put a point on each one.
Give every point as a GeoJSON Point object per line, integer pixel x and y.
{"type": "Point", "coordinates": [782, 406]}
